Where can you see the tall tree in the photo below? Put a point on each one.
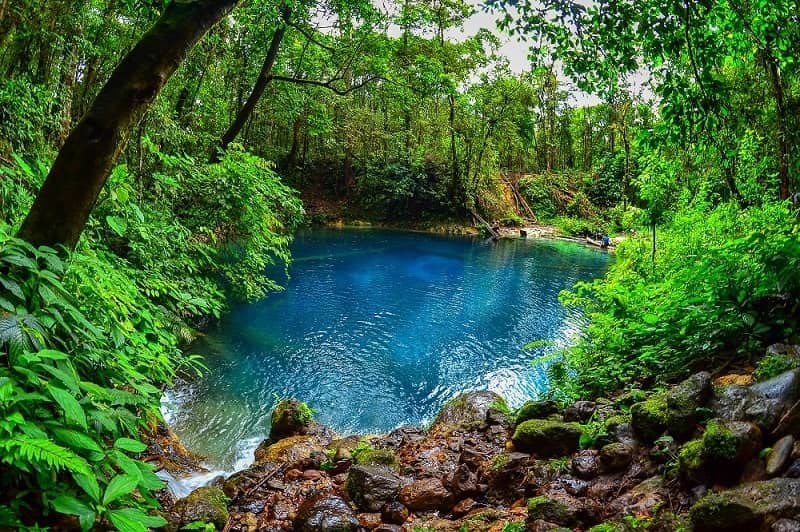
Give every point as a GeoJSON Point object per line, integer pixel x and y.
{"type": "Point", "coordinates": [63, 204]}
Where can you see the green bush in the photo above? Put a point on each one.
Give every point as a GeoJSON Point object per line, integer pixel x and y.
{"type": "Point", "coordinates": [74, 391]}
{"type": "Point", "coordinates": [723, 285]}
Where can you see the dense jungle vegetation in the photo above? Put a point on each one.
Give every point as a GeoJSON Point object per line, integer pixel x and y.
{"type": "Point", "coordinates": [155, 158]}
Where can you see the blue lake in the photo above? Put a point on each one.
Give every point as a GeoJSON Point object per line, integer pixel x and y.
{"type": "Point", "coordinates": [377, 329]}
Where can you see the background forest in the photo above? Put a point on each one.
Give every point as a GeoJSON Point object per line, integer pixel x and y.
{"type": "Point", "coordinates": [290, 113]}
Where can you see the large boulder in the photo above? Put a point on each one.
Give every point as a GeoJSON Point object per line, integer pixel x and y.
{"type": "Point", "coordinates": [547, 438]}
{"type": "Point", "coordinates": [207, 504]}
{"type": "Point", "coordinates": [297, 452]}
{"type": "Point", "coordinates": [536, 410]}
{"type": "Point", "coordinates": [684, 404]}
{"type": "Point", "coordinates": [426, 494]}
{"type": "Point", "coordinates": [764, 403]}
{"type": "Point", "coordinates": [468, 411]}
{"type": "Point", "coordinates": [290, 417]}
{"type": "Point", "coordinates": [676, 411]}
{"type": "Point", "coordinates": [748, 507]}
{"type": "Point", "coordinates": [325, 513]}
{"type": "Point", "coordinates": [560, 509]}
{"type": "Point", "coordinates": [371, 487]}
{"type": "Point", "coordinates": [721, 454]}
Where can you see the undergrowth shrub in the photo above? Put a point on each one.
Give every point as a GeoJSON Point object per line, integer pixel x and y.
{"type": "Point", "coordinates": [723, 286]}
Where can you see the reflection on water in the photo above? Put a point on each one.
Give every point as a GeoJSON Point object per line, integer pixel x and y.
{"type": "Point", "coordinates": [377, 329]}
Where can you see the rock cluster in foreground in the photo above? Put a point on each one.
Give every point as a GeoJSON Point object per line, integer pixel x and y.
{"type": "Point", "coordinates": [698, 456]}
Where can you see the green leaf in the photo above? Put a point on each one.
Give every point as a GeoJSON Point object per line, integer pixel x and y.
{"type": "Point", "coordinates": [69, 505]}
{"type": "Point", "coordinates": [118, 224]}
{"type": "Point", "coordinates": [119, 486]}
{"type": "Point", "coordinates": [127, 444]}
{"type": "Point", "coordinates": [88, 483]}
{"type": "Point", "coordinates": [77, 440]}
{"type": "Point", "coordinates": [134, 520]}
{"type": "Point", "coordinates": [650, 319]}
{"type": "Point", "coordinates": [73, 410]}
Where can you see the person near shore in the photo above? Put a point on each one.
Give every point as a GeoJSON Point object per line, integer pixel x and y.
{"type": "Point", "coordinates": [605, 242]}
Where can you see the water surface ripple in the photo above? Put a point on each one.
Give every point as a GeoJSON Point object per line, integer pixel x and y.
{"type": "Point", "coordinates": [377, 329]}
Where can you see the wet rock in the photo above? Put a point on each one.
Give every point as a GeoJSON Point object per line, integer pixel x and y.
{"type": "Point", "coordinates": [684, 401]}
{"type": "Point", "coordinates": [585, 465]}
{"type": "Point", "coordinates": [369, 520]}
{"type": "Point", "coordinates": [506, 475]}
{"type": "Point", "coordinates": [778, 457]}
{"type": "Point", "coordinates": [203, 504]}
{"type": "Point", "coordinates": [649, 418]}
{"type": "Point", "coordinates": [395, 512]}
{"type": "Point", "coordinates": [426, 495]}
{"type": "Point", "coordinates": [343, 447]}
{"type": "Point", "coordinates": [289, 418]}
{"type": "Point", "coordinates": [312, 474]}
{"type": "Point", "coordinates": [376, 457]}
{"type": "Point", "coordinates": [794, 470]}
{"type": "Point", "coordinates": [642, 499]}
{"type": "Point", "coordinates": [763, 403]}
{"type": "Point", "coordinates": [754, 471]}
{"type": "Point", "coordinates": [325, 513]}
{"type": "Point", "coordinates": [615, 457]}
{"type": "Point", "coordinates": [747, 507]}
{"type": "Point", "coordinates": [465, 506]}
{"type": "Point", "coordinates": [295, 451]}
{"type": "Point", "coordinates": [464, 481]}
{"type": "Point", "coordinates": [573, 486]}
{"type": "Point", "coordinates": [370, 487]}
{"type": "Point", "coordinates": [540, 525]}
{"type": "Point", "coordinates": [785, 525]}
{"type": "Point", "coordinates": [731, 442]}
{"type": "Point", "coordinates": [468, 411]}
{"type": "Point", "coordinates": [580, 411]}
{"type": "Point", "coordinates": [389, 528]}
{"type": "Point", "coordinates": [547, 438]}
{"type": "Point", "coordinates": [560, 509]}
{"type": "Point", "coordinates": [536, 410]}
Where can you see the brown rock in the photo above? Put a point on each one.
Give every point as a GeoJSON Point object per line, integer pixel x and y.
{"type": "Point", "coordinates": [585, 465]}
{"type": "Point", "coordinates": [616, 457]}
{"type": "Point", "coordinates": [395, 512]}
{"type": "Point", "coordinates": [778, 457]}
{"type": "Point", "coordinates": [369, 520]}
{"type": "Point", "coordinates": [464, 507]}
{"type": "Point", "coordinates": [644, 498]}
{"type": "Point", "coordinates": [295, 451]}
{"type": "Point", "coordinates": [312, 474]}
{"type": "Point", "coordinates": [426, 495]}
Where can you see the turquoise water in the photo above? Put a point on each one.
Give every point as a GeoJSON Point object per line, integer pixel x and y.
{"type": "Point", "coordinates": [377, 329]}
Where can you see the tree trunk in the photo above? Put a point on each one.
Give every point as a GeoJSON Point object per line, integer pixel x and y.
{"type": "Point", "coordinates": [61, 208]}
{"type": "Point", "coordinates": [782, 130]}
{"type": "Point", "coordinates": [258, 89]}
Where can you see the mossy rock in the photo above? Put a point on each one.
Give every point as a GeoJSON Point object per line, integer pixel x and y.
{"type": "Point", "coordinates": [536, 410]}
{"type": "Point", "coordinates": [691, 460]}
{"type": "Point", "coordinates": [208, 504]}
{"type": "Point", "coordinates": [468, 411]}
{"type": "Point", "coordinates": [376, 457]}
{"type": "Point", "coordinates": [731, 442]}
{"type": "Point", "coordinates": [290, 417]}
{"type": "Point", "coordinates": [550, 510]}
{"type": "Point", "coordinates": [547, 438]}
{"type": "Point", "coordinates": [723, 511]}
{"type": "Point", "coordinates": [650, 418]}
{"type": "Point", "coordinates": [609, 526]}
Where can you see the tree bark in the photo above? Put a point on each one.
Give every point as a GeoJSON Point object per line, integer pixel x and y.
{"type": "Point", "coordinates": [782, 131]}
{"type": "Point", "coordinates": [258, 89]}
{"type": "Point", "coordinates": [61, 208]}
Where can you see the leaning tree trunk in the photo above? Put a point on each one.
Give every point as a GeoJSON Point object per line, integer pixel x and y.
{"type": "Point", "coordinates": [246, 111]}
{"type": "Point", "coordinates": [61, 208]}
{"type": "Point", "coordinates": [782, 131]}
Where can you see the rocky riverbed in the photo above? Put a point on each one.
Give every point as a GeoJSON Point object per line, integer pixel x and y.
{"type": "Point", "coordinates": [703, 455]}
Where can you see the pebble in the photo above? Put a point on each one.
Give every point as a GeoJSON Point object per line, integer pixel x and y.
{"type": "Point", "coordinates": [779, 455]}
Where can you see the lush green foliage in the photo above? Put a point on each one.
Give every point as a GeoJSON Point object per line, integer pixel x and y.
{"type": "Point", "coordinates": [89, 339]}
{"type": "Point", "coordinates": [723, 285]}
